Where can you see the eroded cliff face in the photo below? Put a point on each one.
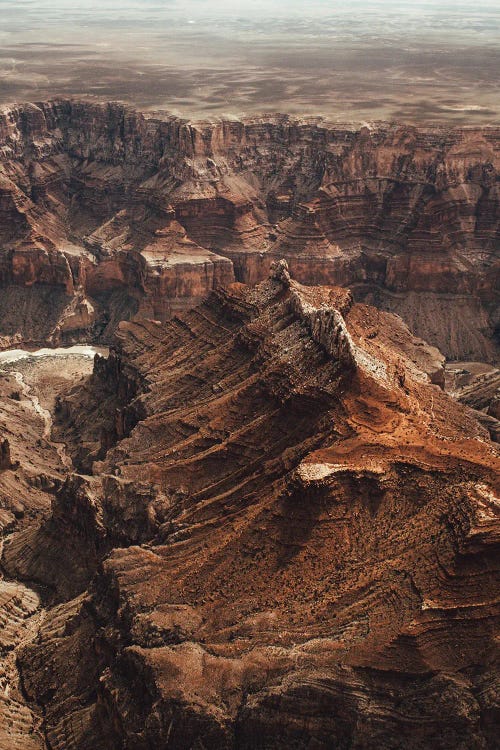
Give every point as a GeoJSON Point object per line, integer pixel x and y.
{"type": "Point", "coordinates": [478, 385]}
{"type": "Point", "coordinates": [114, 214]}
{"type": "Point", "coordinates": [32, 471]}
{"type": "Point", "coordinates": [286, 536]}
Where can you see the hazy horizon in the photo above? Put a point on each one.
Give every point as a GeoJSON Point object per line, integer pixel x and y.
{"type": "Point", "coordinates": [376, 59]}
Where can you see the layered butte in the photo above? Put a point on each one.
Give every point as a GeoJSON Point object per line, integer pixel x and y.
{"type": "Point", "coordinates": [106, 214]}
{"type": "Point", "coordinates": [283, 534]}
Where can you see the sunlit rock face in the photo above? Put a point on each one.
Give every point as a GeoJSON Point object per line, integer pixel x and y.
{"type": "Point", "coordinates": [113, 214]}
{"type": "Point", "coordinates": [282, 534]}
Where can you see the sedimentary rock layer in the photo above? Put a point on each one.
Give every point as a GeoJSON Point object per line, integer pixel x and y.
{"type": "Point", "coordinates": [289, 538]}
{"type": "Point", "coordinates": [32, 470]}
{"type": "Point", "coordinates": [478, 386]}
{"type": "Point", "coordinates": [110, 213]}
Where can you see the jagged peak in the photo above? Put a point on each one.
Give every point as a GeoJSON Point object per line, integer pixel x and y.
{"type": "Point", "coordinates": [326, 322]}
{"type": "Point", "coordinates": [280, 272]}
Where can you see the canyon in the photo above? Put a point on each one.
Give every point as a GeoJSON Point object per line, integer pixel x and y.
{"type": "Point", "coordinates": [107, 213]}
{"type": "Point", "coordinates": [266, 513]}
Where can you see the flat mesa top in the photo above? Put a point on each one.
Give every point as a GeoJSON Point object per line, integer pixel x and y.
{"type": "Point", "coordinates": [370, 60]}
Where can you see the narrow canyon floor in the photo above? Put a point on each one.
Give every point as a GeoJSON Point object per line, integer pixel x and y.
{"type": "Point", "coordinates": [30, 383]}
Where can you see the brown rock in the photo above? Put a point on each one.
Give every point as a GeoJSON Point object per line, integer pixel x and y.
{"type": "Point", "coordinates": [5, 461]}
{"type": "Point", "coordinates": [145, 215]}
{"type": "Point", "coordinates": [294, 535]}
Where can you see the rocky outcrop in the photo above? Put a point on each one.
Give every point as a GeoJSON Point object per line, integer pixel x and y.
{"type": "Point", "coordinates": [480, 390]}
{"type": "Point", "coordinates": [5, 462]}
{"type": "Point", "coordinates": [293, 543]}
{"type": "Point", "coordinates": [143, 215]}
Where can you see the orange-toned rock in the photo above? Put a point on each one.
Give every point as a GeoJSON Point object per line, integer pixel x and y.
{"type": "Point", "coordinates": [290, 538]}
{"type": "Point", "coordinates": [406, 217]}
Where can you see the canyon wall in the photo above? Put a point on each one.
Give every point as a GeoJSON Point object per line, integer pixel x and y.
{"type": "Point", "coordinates": [114, 214]}
{"type": "Point", "coordinates": [286, 537]}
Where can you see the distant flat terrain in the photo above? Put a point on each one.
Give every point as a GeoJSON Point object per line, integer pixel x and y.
{"type": "Point", "coordinates": [423, 62]}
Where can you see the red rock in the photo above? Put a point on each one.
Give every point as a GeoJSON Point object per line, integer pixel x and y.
{"type": "Point", "coordinates": [111, 204]}
{"type": "Point", "coordinates": [290, 538]}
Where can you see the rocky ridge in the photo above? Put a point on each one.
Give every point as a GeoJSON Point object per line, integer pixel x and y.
{"type": "Point", "coordinates": [285, 534]}
{"type": "Point", "coordinates": [481, 391]}
{"type": "Point", "coordinates": [107, 214]}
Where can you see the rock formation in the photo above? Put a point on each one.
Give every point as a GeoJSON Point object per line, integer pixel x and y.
{"type": "Point", "coordinates": [5, 462]}
{"type": "Point", "coordinates": [26, 488]}
{"type": "Point", "coordinates": [107, 214]}
{"type": "Point", "coordinates": [261, 522]}
{"type": "Point", "coordinates": [481, 391]}
{"type": "Point", "coordinates": [286, 537]}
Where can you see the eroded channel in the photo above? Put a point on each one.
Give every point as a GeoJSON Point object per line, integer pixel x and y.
{"type": "Point", "coordinates": [30, 382]}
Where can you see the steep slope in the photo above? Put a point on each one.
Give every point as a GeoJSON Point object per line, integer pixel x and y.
{"type": "Point", "coordinates": [290, 538]}
{"type": "Point", "coordinates": [109, 214]}
{"type": "Point", "coordinates": [32, 468]}
{"type": "Point", "coordinates": [478, 386]}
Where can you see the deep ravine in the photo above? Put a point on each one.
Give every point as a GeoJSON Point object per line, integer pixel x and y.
{"type": "Point", "coordinates": [37, 376]}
